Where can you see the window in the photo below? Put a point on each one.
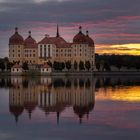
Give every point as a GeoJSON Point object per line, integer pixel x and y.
{"type": "Point", "coordinates": [45, 51]}
{"type": "Point", "coordinates": [40, 50]}
{"type": "Point", "coordinates": [49, 51]}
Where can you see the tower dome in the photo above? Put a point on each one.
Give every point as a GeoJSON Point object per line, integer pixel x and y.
{"type": "Point", "coordinates": [80, 38]}
{"type": "Point", "coordinates": [29, 41]}
{"type": "Point", "coordinates": [16, 38]}
{"type": "Point", "coordinates": [89, 39]}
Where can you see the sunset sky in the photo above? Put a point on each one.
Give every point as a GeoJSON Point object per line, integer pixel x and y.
{"type": "Point", "coordinates": [113, 24]}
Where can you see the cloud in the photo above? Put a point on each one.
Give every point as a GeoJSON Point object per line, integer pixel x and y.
{"type": "Point", "coordinates": [109, 22]}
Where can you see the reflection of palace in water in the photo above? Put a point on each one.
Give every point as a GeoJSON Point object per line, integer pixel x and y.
{"type": "Point", "coordinates": [51, 95]}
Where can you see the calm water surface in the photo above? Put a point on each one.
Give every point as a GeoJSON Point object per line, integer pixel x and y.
{"type": "Point", "coordinates": [84, 108]}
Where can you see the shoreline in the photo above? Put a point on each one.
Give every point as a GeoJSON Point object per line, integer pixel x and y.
{"type": "Point", "coordinates": [94, 73]}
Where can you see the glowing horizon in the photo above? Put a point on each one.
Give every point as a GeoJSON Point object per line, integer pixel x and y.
{"type": "Point", "coordinates": [122, 49]}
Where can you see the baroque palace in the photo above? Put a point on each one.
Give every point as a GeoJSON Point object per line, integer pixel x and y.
{"type": "Point", "coordinates": [51, 49]}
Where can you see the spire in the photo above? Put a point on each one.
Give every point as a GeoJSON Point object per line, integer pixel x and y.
{"type": "Point", "coordinates": [30, 114]}
{"type": "Point", "coordinates": [16, 29]}
{"type": "Point", "coordinates": [87, 33]}
{"type": "Point", "coordinates": [58, 118]}
{"type": "Point", "coordinates": [57, 34]}
{"type": "Point", "coordinates": [80, 29]}
{"type": "Point", "coordinates": [16, 119]}
{"type": "Point", "coordinates": [29, 33]}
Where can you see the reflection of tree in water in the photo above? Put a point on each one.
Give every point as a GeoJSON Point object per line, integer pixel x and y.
{"type": "Point", "coordinates": [2, 83]}
{"type": "Point", "coordinates": [25, 83]}
{"type": "Point", "coordinates": [68, 84]}
{"type": "Point", "coordinates": [75, 83]}
{"type": "Point", "coordinates": [58, 83]}
{"type": "Point", "coordinates": [81, 83]}
{"type": "Point", "coordinates": [87, 83]}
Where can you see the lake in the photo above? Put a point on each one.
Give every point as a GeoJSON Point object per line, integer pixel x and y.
{"type": "Point", "coordinates": [70, 108]}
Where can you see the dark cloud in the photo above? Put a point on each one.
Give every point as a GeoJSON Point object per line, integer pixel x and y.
{"type": "Point", "coordinates": [106, 20]}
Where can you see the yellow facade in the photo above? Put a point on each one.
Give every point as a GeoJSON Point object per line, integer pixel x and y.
{"type": "Point", "coordinates": [30, 55]}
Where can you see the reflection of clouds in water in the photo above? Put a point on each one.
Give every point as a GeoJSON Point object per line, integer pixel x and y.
{"type": "Point", "coordinates": [4, 101]}
{"type": "Point", "coordinates": [4, 136]}
{"type": "Point", "coordinates": [126, 94]}
{"type": "Point", "coordinates": [114, 119]}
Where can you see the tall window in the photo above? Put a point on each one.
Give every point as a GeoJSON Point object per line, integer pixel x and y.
{"type": "Point", "coordinates": [45, 52]}
{"type": "Point", "coordinates": [40, 50]}
{"type": "Point", "coordinates": [49, 53]}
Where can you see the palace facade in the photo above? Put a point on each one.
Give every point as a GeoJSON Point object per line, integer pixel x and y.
{"type": "Point", "coordinates": [51, 49]}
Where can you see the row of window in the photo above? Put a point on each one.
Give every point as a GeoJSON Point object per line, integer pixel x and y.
{"type": "Point", "coordinates": [18, 55]}
{"type": "Point", "coordinates": [29, 55]}
{"type": "Point", "coordinates": [29, 51]}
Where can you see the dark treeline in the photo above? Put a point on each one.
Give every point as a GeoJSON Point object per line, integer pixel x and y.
{"type": "Point", "coordinates": [105, 62]}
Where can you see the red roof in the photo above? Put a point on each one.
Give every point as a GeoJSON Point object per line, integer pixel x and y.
{"type": "Point", "coordinates": [80, 38]}
{"type": "Point", "coordinates": [30, 42]}
{"type": "Point", "coordinates": [16, 66]}
{"type": "Point", "coordinates": [90, 40]}
{"type": "Point", "coordinates": [58, 41]}
{"type": "Point", "coordinates": [16, 39]}
{"type": "Point", "coordinates": [45, 66]}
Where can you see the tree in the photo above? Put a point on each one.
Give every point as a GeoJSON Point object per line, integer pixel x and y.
{"type": "Point", "coordinates": [9, 65]}
{"type": "Point", "coordinates": [75, 65]}
{"type": "Point", "coordinates": [98, 66]}
{"type": "Point", "coordinates": [87, 65]}
{"type": "Point", "coordinates": [81, 65]}
{"type": "Point", "coordinates": [63, 65]}
{"type": "Point", "coordinates": [56, 65]}
{"type": "Point", "coordinates": [107, 67]}
{"type": "Point", "coordinates": [68, 65]}
{"type": "Point", "coordinates": [2, 65]}
{"type": "Point", "coordinates": [50, 63]}
{"type": "Point", "coordinates": [118, 65]}
{"type": "Point", "coordinates": [6, 61]}
{"type": "Point", "coordinates": [25, 66]}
